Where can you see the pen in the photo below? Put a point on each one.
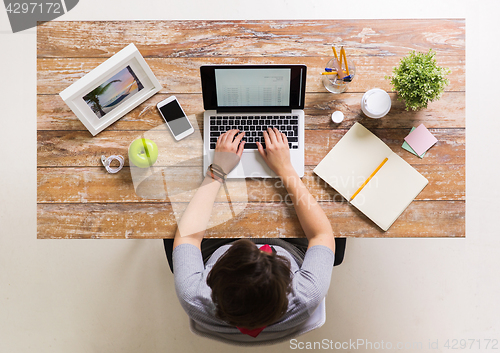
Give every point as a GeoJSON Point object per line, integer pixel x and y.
{"type": "Point", "coordinates": [369, 178]}
{"type": "Point", "coordinates": [345, 79]}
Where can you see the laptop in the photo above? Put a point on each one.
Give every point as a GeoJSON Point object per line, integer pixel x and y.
{"type": "Point", "coordinates": [251, 98]}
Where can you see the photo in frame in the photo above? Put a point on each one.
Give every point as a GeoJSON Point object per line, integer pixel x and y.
{"type": "Point", "coordinates": [111, 90]}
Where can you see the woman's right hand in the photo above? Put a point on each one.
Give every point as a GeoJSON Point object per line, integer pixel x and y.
{"type": "Point", "coordinates": [277, 153]}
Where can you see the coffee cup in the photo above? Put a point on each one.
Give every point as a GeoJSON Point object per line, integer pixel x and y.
{"type": "Point", "coordinates": [376, 103]}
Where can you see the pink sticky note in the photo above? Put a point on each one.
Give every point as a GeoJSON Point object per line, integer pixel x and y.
{"type": "Point", "coordinates": [420, 139]}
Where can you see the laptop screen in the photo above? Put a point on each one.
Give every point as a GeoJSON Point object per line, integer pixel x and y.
{"type": "Point", "coordinates": [240, 88]}
{"type": "Point", "coordinates": [250, 88]}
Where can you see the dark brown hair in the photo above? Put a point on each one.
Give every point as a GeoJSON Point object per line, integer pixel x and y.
{"type": "Point", "coordinates": [249, 286]}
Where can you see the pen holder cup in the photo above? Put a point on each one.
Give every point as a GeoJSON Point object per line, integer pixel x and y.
{"type": "Point", "coordinates": [332, 82]}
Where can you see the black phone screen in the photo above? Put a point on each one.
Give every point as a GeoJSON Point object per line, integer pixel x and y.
{"type": "Point", "coordinates": [175, 118]}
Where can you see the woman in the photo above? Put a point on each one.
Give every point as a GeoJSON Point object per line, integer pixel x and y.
{"type": "Point", "coordinates": [247, 286]}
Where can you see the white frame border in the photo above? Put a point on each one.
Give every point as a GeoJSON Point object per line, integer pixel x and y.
{"type": "Point", "coordinates": [73, 95]}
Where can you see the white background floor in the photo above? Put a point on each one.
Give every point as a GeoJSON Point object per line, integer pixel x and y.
{"type": "Point", "coordinates": [118, 296]}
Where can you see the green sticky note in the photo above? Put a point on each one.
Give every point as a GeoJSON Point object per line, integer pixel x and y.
{"type": "Point", "coordinates": [407, 147]}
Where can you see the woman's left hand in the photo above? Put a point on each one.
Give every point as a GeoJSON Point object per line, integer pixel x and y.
{"type": "Point", "coordinates": [228, 150]}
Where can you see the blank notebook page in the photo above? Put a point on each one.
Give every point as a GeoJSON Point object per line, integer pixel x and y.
{"type": "Point", "coordinates": [389, 192]}
{"type": "Point", "coordinates": [352, 160]}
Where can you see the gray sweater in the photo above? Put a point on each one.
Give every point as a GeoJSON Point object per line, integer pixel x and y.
{"type": "Point", "coordinates": [310, 284]}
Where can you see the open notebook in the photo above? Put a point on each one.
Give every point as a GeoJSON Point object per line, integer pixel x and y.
{"type": "Point", "coordinates": [354, 159]}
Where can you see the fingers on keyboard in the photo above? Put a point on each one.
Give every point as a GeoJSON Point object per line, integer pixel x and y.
{"type": "Point", "coordinates": [254, 126]}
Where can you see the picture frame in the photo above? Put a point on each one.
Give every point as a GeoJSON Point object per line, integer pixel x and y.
{"type": "Point", "coordinates": [111, 90]}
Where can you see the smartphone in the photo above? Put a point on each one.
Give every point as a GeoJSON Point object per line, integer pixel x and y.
{"type": "Point", "coordinates": [177, 121]}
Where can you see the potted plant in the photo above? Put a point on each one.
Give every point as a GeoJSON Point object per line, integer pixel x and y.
{"type": "Point", "coordinates": [418, 80]}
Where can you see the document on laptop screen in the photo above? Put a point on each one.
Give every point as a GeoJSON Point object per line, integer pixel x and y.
{"type": "Point", "coordinates": [253, 87]}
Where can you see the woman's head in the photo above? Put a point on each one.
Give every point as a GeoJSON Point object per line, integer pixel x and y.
{"type": "Point", "coordinates": [249, 286]}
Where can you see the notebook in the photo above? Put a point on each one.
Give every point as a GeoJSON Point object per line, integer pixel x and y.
{"type": "Point", "coordinates": [252, 98]}
{"type": "Point", "coordinates": [353, 160]}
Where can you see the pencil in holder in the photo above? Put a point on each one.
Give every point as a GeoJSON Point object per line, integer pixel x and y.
{"type": "Point", "coordinates": [334, 82]}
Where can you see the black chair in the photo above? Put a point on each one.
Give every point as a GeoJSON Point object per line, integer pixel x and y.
{"type": "Point", "coordinates": [340, 244]}
{"type": "Point", "coordinates": [339, 250]}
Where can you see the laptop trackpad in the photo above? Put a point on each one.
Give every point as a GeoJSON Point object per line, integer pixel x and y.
{"type": "Point", "coordinates": [252, 165]}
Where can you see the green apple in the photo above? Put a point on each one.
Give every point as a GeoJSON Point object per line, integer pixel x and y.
{"type": "Point", "coordinates": [143, 153]}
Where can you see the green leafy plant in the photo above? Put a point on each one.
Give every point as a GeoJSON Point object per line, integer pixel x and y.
{"type": "Point", "coordinates": [418, 80]}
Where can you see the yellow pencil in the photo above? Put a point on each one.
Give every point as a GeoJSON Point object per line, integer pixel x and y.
{"type": "Point", "coordinates": [329, 73]}
{"type": "Point", "coordinates": [335, 53]}
{"type": "Point", "coordinates": [340, 62]}
{"type": "Point", "coordinates": [342, 53]}
{"type": "Point", "coordinates": [369, 178]}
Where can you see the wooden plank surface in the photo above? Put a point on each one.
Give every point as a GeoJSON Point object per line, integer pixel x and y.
{"type": "Point", "coordinates": [146, 220]}
{"type": "Point", "coordinates": [250, 38]}
{"type": "Point", "coordinates": [183, 75]}
{"type": "Point", "coordinates": [448, 112]}
{"type": "Point", "coordinates": [75, 148]}
{"type": "Point", "coordinates": [95, 185]}
{"type": "Point", "coordinates": [78, 199]}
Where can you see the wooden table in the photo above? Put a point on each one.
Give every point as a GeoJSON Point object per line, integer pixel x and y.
{"type": "Point", "coordinates": [77, 198]}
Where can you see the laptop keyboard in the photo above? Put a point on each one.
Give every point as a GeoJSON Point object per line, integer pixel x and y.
{"type": "Point", "coordinates": [253, 127]}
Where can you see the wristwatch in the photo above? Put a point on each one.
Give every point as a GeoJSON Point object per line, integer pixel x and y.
{"type": "Point", "coordinates": [215, 172]}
